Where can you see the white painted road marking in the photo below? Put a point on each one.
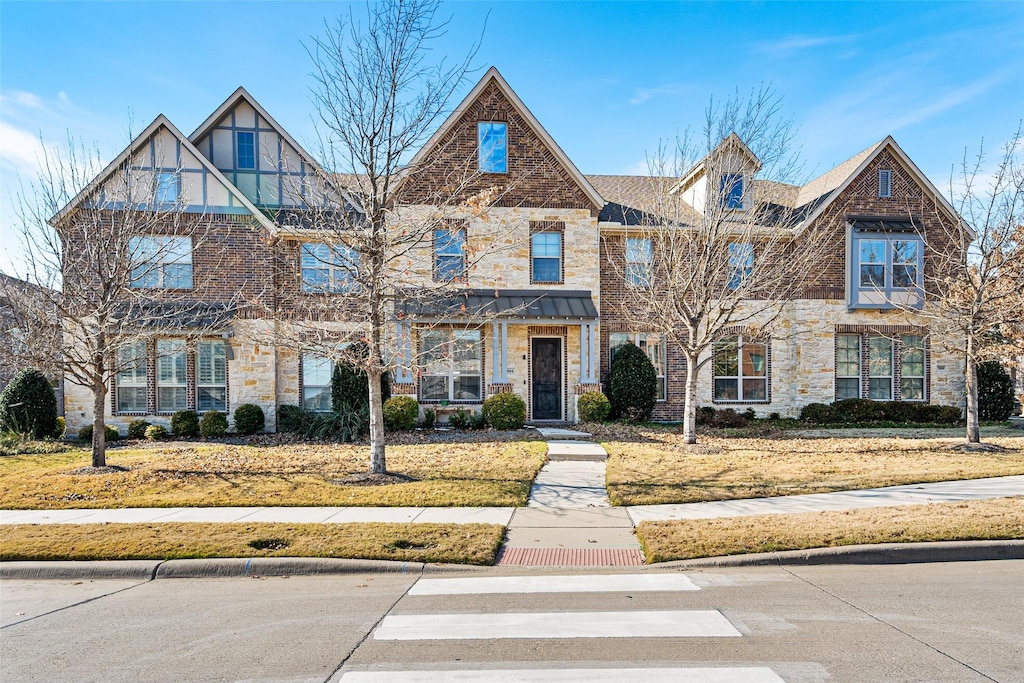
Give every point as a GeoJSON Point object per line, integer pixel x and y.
{"type": "Point", "coordinates": [646, 624]}
{"type": "Point", "coordinates": [610, 583]}
{"type": "Point", "coordinates": [680, 675]}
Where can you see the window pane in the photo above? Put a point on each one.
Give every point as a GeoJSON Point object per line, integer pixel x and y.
{"type": "Point", "coordinates": [466, 348]}
{"type": "Point", "coordinates": [449, 250]}
{"type": "Point", "coordinates": [726, 358]}
{"type": "Point", "coordinates": [904, 276]}
{"type": "Point", "coordinates": [314, 279]}
{"type": "Point", "coordinates": [904, 251]}
{"type": "Point", "coordinates": [872, 276]}
{"type": "Point", "coordinates": [754, 390]}
{"type": "Point", "coordinates": [913, 356]}
{"type": "Point", "coordinates": [754, 364]}
{"type": "Point", "coordinates": [246, 142]}
{"type": "Point", "coordinates": [434, 388]}
{"type": "Point", "coordinates": [880, 357]}
{"type": "Point", "coordinates": [467, 388]}
{"type": "Point", "coordinates": [316, 371]}
{"type": "Point", "coordinates": [171, 399]}
{"type": "Point", "coordinates": [732, 190]}
{"type": "Point", "coordinates": [450, 268]}
{"type": "Point", "coordinates": [848, 355]}
{"type": "Point", "coordinates": [167, 187]}
{"type": "Point", "coordinates": [131, 399]}
{"type": "Point", "coordinates": [880, 389]}
{"type": "Point", "coordinates": [316, 398]}
{"type": "Point", "coordinates": [847, 388]}
{"type": "Point", "coordinates": [492, 137]}
{"type": "Point", "coordinates": [547, 244]}
{"type": "Point", "coordinates": [178, 276]}
{"type": "Point", "coordinates": [725, 389]}
{"type": "Point", "coordinates": [615, 341]}
{"type": "Point", "coordinates": [211, 398]}
{"type": "Point", "coordinates": [546, 270]}
{"type": "Point", "coordinates": [638, 250]}
{"type": "Point", "coordinates": [913, 389]}
{"type": "Point", "coordinates": [212, 363]}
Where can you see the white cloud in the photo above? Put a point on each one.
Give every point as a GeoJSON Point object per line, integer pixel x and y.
{"type": "Point", "coordinates": [642, 95]}
{"type": "Point", "coordinates": [801, 42]}
{"type": "Point", "coordinates": [19, 148]}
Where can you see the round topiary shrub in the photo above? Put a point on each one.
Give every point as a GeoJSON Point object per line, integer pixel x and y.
{"type": "Point", "coordinates": [213, 424]}
{"type": "Point", "coordinates": [504, 411]}
{"type": "Point", "coordinates": [185, 423]}
{"type": "Point", "coordinates": [156, 432]}
{"type": "Point", "coordinates": [137, 429]}
{"type": "Point", "coordinates": [995, 392]}
{"type": "Point", "coordinates": [816, 413]}
{"type": "Point", "coordinates": [632, 384]}
{"type": "Point", "coordinates": [593, 406]}
{"type": "Point", "coordinates": [400, 412]}
{"type": "Point", "coordinates": [249, 418]}
{"type": "Point", "coordinates": [28, 405]}
{"type": "Point", "coordinates": [85, 433]}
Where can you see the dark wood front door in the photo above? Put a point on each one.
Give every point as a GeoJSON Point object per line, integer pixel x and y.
{"type": "Point", "coordinates": [547, 378]}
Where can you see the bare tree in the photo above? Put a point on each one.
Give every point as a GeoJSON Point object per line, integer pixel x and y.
{"type": "Point", "coordinates": [978, 268]}
{"type": "Point", "coordinates": [378, 98]}
{"type": "Point", "coordinates": [106, 255]}
{"type": "Point", "coordinates": [716, 252]}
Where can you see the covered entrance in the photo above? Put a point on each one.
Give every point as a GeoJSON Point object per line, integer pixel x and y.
{"type": "Point", "coordinates": [546, 371]}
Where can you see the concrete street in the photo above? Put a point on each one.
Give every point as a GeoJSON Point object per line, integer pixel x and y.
{"type": "Point", "coordinates": [918, 622]}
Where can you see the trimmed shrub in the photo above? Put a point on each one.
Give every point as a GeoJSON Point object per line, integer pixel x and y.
{"type": "Point", "coordinates": [855, 410]}
{"type": "Point", "coordinates": [477, 421]}
{"type": "Point", "coordinates": [249, 418]}
{"type": "Point", "coordinates": [504, 411]}
{"type": "Point", "coordinates": [137, 429]}
{"type": "Point", "coordinates": [349, 388]}
{"type": "Point", "coordinates": [948, 414]}
{"type": "Point", "coordinates": [816, 413]}
{"type": "Point", "coordinates": [995, 392]}
{"type": "Point", "coordinates": [400, 412]}
{"type": "Point", "coordinates": [429, 417]}
{"type": "Point", "coordinates": [632, 384]}
{"type": "Point", "coordinates": [156, 432]}
{"type": "Point", "coordinates": [213, 424]}
{"type": "Point", "coordinates": [459, 419]}
{"type": "Point", "coordinates": [62, 427]}
{"type": "Point", "coordinates": [728, 418]}
{"type": "Point", "coordinates": [289, 418]}
{"type": "Point", "coordinates": [593, 406]}
{"type": "Point", "coordinates": [85, 433]}
{"type": "Point", "coordinates": [706, 416]}
{"type": "Point", "coordinates": [29, 406]}
{"type": "Point", "coordinates": [185, 423]}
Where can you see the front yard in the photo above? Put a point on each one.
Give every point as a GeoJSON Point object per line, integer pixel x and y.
{"type": "Point", "coordinates": [481, 472]}
{"type": "Point", "coordinates": [652, 465]}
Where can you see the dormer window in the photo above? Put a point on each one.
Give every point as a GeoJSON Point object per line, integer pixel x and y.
{"type": "Point", "coordinates": [884, 182]}
{"type": "Point", "coordinates": [493, 150]}
{"type": "Point", "coordinates": [732, 190]}
{"type": "Point", "coordinates": [245, 149]}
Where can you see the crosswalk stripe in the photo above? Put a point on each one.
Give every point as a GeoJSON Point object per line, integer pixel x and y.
{"type": "Point", "coordinates": [608, 583]}
{"type": "Point", "coordinates": [641, 624]}
{"type": "Point", "coordinates": [737, 674]}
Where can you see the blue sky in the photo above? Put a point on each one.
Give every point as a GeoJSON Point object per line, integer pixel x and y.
{"type": "Point", "coordinates": [608, 80]}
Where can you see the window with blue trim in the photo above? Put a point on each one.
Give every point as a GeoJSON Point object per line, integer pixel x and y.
{"type": "Point", "coordinates": [166, 187]}
{"type": "Point", "coordinates": [449, 254]}
{"type": "Point", "coordinates": [245, 149]}
{"type": "Point", "coordinates": [887, 269]}
{"type": "Point", "coordinates": [546, 255]}
{"type": "Point", "coordinates": [731, 189]}
{"type": "Point", "coordinates": [741, 263]}
{"type": "Point", "coordinates": [329, 269]}
{"type": "Point", "coordinates": [493, 147]}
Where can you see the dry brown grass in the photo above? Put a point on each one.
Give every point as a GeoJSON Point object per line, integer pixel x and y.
{"type": "Point", "coordinates": [1001, 518]}
{"type": "Point", "coordinates": [203, 475]}
{"type": "Point", "coordinates": [449, 543]}
{"type": "Point", "coordinates": [650, 466]}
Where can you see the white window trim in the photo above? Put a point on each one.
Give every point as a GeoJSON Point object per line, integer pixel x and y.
{"type": "Point", "coordinates": [451, 335]}
{"type": "Point", "coordinates": [182, 348]}
{"type": "Point", "coordinates": [210, 343]}
{"type": "Point", "coordinates": [860, 363]}
{"type": "Point", "coordinates": [341, 266]}
{"type": "Point", "coordinates": [639, 270]}
{"type": "Point", "coordinates": [636, 338]}
{"type": "Point", "coordinates": [892, 368]}
{"type": "Point", "coordinates": [739, 376]}
{"type": "Point", "coordinates": [153, 253]}
{"type": "Point", "coordinates": [560, 258]}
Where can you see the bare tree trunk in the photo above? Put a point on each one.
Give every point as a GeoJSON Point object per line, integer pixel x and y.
{"type": "Point", "coordinates": [378, 464]}
{"type": "Point", "coordinates": [971, 386]}
{"type": "Point", "coordinates": [690, 403]}
{"type": "Point", "coordinates": [99, 432]}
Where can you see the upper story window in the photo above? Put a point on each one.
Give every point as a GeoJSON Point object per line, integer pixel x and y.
{"type": "Point", "coordinates": [160, 262]}
{"type": "Point", "coordinates": [449, 254]}
{"type": "Point", "coordinates": [651, 344]}
{"type": "Point", "coordinates": [732, 190]}
{"type": "Point", "coordinates": [741, 369]}
{"type": "Point", "coordinates": [245, 149]}
{"type": "Point", "coordinates": [493, 147]}
{"type": "Point", "coordinates": [884, 182]}
{"type": "Point", "coordinates": [452, 365]}
{"type": "Point", "coordinates": [639, 261]}
{"type": "Point", "coordinates": [329, 269]}
{"type": "Point", "coordinates": [741, 263]}
{"type": "Point", "coordinates": [167, 187]}
{"type": "Point", "coordinates": [887, 269]}
{"type": "Point", "coordinates": [546, 257]}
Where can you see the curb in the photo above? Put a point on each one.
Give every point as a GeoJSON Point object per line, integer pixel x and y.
{"type": "Point", "coordinates": [882, 553]}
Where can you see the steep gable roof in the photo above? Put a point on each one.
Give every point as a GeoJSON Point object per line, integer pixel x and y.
{"type": "Point", "coordinates": [493, 77]}
{"type": "Point", "coordinates": [161, 122]}
{"type": "Point", "coordinates": [730, 142]}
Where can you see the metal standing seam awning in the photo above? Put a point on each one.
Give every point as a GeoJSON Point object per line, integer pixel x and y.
{"type": "Point", "coordinates": [506, 305]}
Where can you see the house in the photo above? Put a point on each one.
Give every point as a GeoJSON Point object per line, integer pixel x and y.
{"type": "Point", "coordinates": [541, 315]}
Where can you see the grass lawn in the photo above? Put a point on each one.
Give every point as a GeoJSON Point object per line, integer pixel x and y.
{"type": "Point", "coordinates": [467, 473]}
{"type": "Point", "coordinates": [652, 465]}
{"type": "Point", "coordinates": [447, 543]}
{"type": "Point", "coordinates": [1000, 518]}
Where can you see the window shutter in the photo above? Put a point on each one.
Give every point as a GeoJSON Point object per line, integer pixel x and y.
{"type": "Point", "coordinates": [884, 182]}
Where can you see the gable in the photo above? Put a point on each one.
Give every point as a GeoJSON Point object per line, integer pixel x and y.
{"type": "Point", "coordinates": [538, 172]}
{"type": "Point", "coordinates": [255, 154]}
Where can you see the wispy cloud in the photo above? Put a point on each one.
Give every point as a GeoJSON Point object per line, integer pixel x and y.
{"type": "Point", "coordinates": [642, 95]}
{"type": "Point", "coordinates": [19, 148]}
{"type": "Point", "coordinates": [798, 43]}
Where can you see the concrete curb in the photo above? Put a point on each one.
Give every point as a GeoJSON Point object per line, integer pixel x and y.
{"type": "Point", "coordinates": [882, 553]}
{"type": "Point", "coordinates": [141, 570]}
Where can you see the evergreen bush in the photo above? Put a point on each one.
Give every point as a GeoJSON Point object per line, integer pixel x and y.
{"type": "Point", "coordinates": [593, 406]}
{"type": "Point", "coordinates": [504, 411]}
{"type": "Point", "coordinates": [85, 433]}
{"type": "Point", "coordinates": [213, 424]}
{"type": "Point", "coordinates": [632, 384]}
{"type": "Point", "coordinates": [350, 391]}
{"type": "Point", "coordinates": [459, 419]}
{"type": "Point", "coordinates": [249, 418]}
{"type": "Point", "coordinates": [185, 423]}
{"type": "Point", "coordinates": [995, 392]}
{"type": "Point", "coordinates": [62, 427]}
{"type": "Point", "coordinates": [816, 413]}
{"type": "Point", "coordinates": [289, 418]}
{"type": "Point", "coordinates": [137, 429]}
{"type": "Point", "coordinates": [156, 432]}
{"type": "Point", "coordinates": [28, 405]}
{"type": "Point", "coordinates": [400, 412]}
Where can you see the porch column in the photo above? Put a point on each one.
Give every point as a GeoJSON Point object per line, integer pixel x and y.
{"type": "Point", "coordinates": [403, 375]}
{"type": "Point", "coordinates": [499, 353]}
{"type": "Point", "coordinates": [588, 353]}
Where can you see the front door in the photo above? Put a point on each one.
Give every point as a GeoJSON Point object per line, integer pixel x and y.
{"type": "Point", "coordinates": [547, 378]}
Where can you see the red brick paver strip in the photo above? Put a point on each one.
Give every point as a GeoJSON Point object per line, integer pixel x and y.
{"type": "Point", "coordinates": [571, 557]}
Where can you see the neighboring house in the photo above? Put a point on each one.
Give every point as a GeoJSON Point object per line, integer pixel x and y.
{"type": "Point", "coordinates": [12, 338]}
{"type": "Point", "coordinates": [551, 300]}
